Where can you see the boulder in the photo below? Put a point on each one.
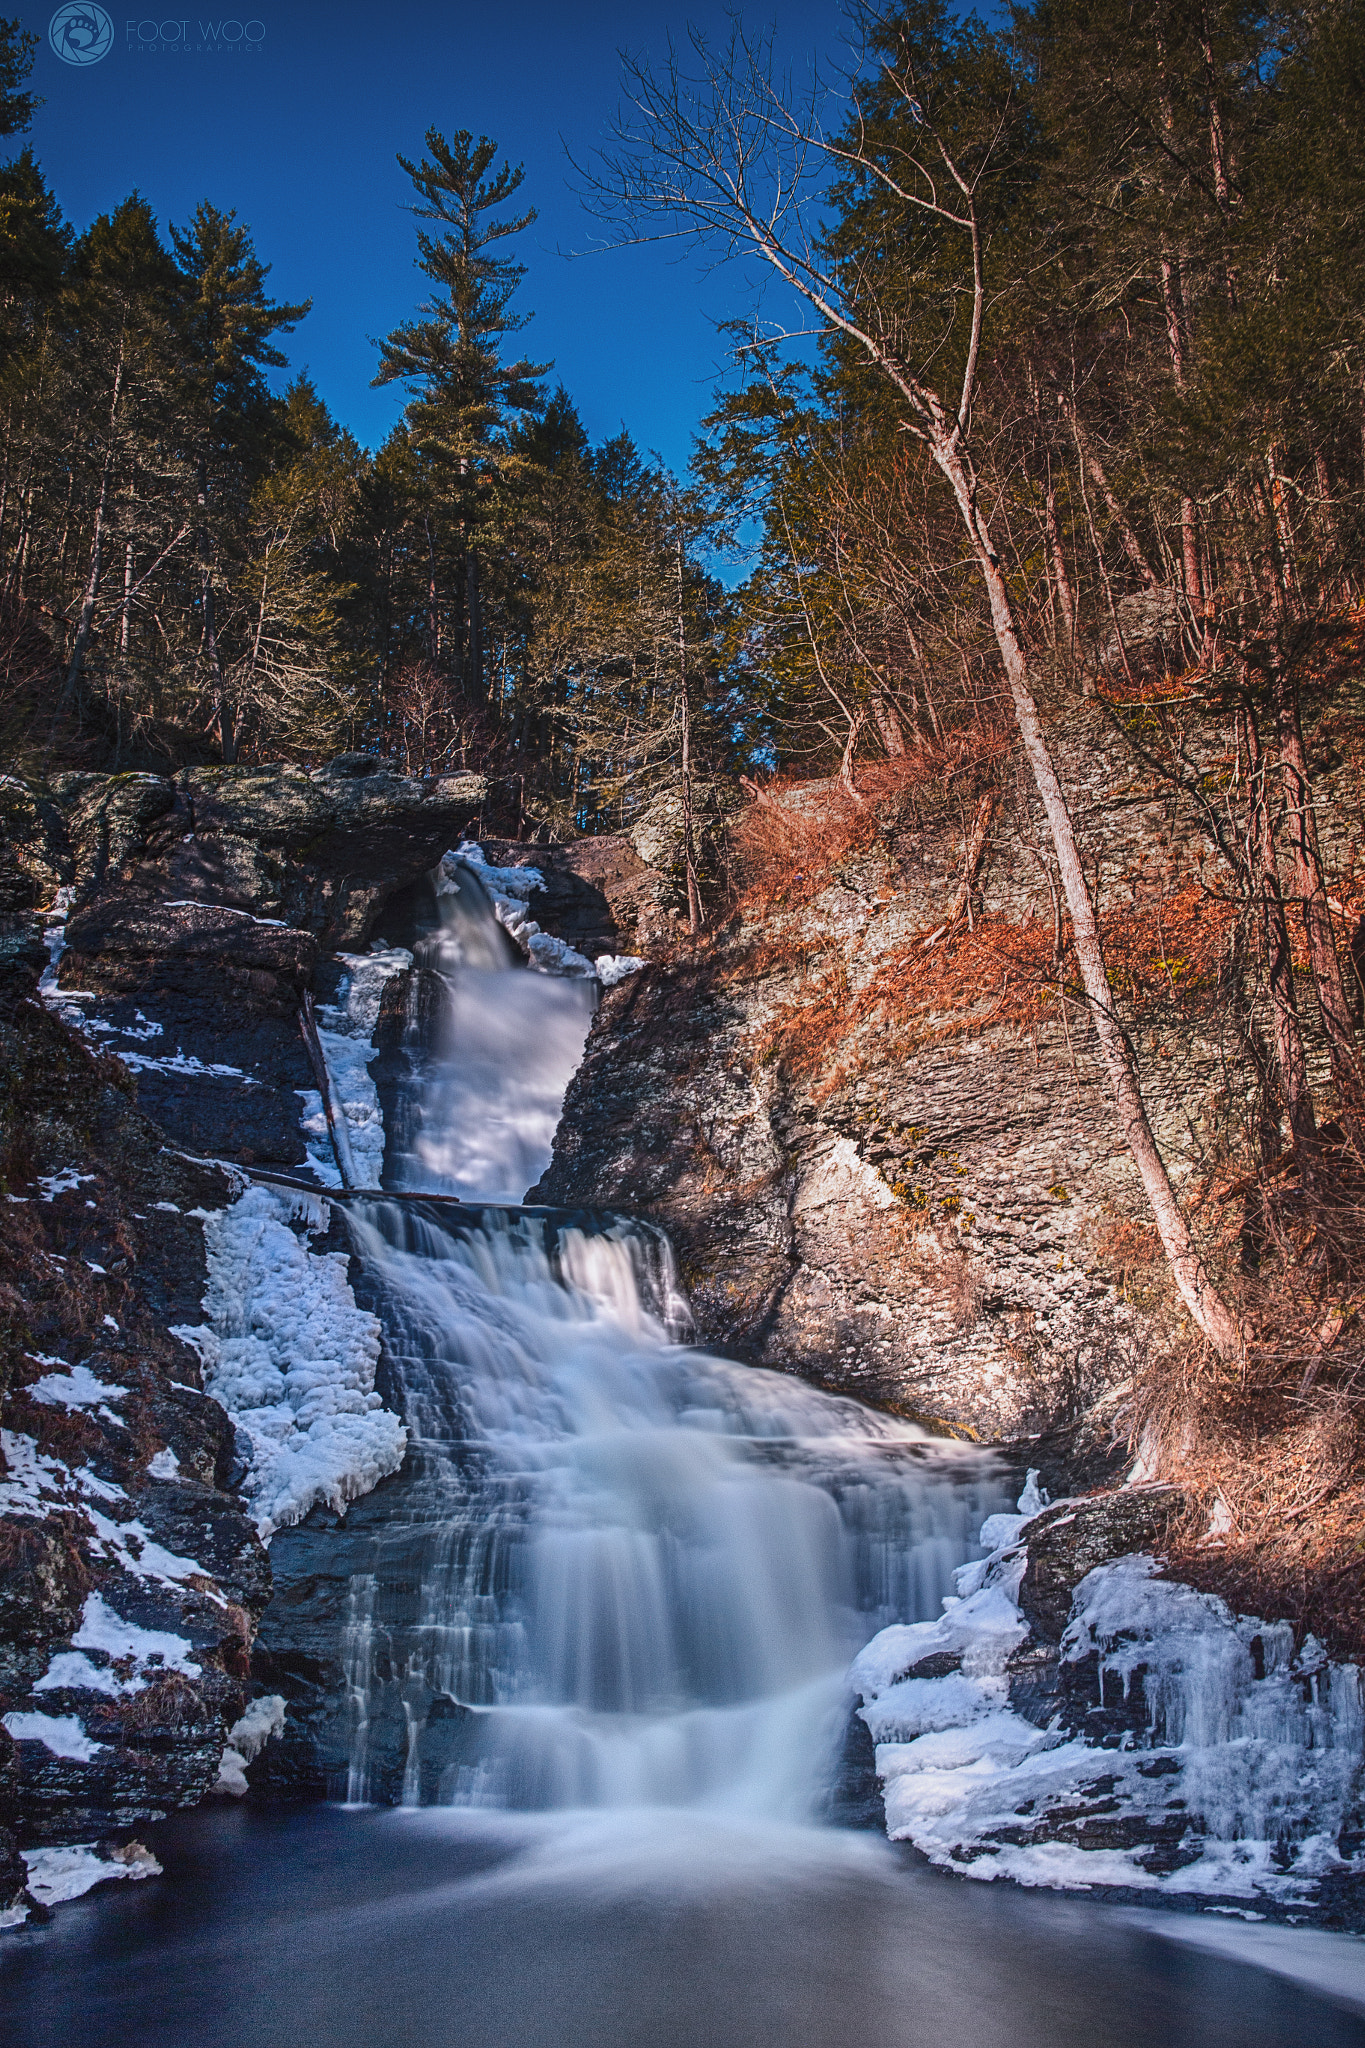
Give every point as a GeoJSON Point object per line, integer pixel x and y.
{"type": "Point", "coordinates": [322, 850]}
{"type": "Point", "coordinates": [127, 945]}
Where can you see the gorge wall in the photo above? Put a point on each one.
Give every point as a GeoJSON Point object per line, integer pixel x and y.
{"type": "Point", "coordinates": [186, 918]}
{"type": "Point", "coordinates": [861, 1105]}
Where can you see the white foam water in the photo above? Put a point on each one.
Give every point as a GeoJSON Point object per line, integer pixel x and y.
{"type": "Point", "coordinates": [488, 1083]}
{"type": "Point", "coordinates": [647, 1568]}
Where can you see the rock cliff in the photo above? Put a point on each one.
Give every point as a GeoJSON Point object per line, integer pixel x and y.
{"type": "Point", "coordinates": [880, 1137]}
{"type": "Point", "coordinates": [188, 917]}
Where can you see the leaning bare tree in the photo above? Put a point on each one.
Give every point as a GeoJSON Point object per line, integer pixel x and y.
{"type": "Point", "coordinates": [728, 152]}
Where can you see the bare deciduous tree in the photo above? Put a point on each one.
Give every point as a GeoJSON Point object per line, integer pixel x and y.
{"type": "Point", "coordinates": [730, 154]}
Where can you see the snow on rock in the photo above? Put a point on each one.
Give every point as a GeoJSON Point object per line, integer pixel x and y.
{"type": "Point", "coordinates": [54, 937]}
{"type": "Point", "coordinates": [246, 1739]}
{"type": "Point", "coordinates": [346, 1035]}
{"type": "Point", "coordinates": [509, 890]}
{"type": "Point", "coordinates": [145, 1654]}
{"type": "Point", "coordinates": [552, 955]}
{"type": "Point", "coordinates": [1230, 1767]}
{"type": "Point", "coordinates": [613, 967]}
{"type": "Point", "coordinates": [102, 1629]}
{"type": "Point", "coordinates": [61, 1733]}
{"type": "Point", "coordinates": [76, 1387]}
{"type": "Point", "coordinates": [56, 1875]}
{"type": "Point", "coordinates": [292, 1359]}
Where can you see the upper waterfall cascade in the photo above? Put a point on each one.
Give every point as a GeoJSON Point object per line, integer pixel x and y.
{"type": "Point", "coordinates": [624, 1572]}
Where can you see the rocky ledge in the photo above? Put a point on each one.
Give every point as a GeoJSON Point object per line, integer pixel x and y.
{"type": "Point", "coordinates": [184, 1366]}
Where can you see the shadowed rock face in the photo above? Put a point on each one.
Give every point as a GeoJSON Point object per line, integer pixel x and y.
{"type": "Point", "coordinates": [319, 850]}
{"type": "Point", "coordinates": [986, 1313]}
{"type": "Point", "coordinates": [202, 906]}
{"type": "Point", "coordinates": [95, 1267]}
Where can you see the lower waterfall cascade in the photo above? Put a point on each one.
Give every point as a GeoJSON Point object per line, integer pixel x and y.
{"type": "Point", "coordinates": [625, 1572]}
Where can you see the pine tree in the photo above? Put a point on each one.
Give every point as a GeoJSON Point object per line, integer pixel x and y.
{"type": "Point", "coordinates": [463, 395]}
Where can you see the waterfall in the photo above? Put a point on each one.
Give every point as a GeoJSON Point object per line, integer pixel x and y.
{"type": "Point", "coordinates": [623, 1572]}
{"type": "Point", "coordinates": [489, 1047]}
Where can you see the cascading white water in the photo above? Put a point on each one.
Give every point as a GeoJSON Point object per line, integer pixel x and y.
{"type": "Point", "coordinates": [491, 1080]}
{"type": "Point", "coordinates": [641, 1571]}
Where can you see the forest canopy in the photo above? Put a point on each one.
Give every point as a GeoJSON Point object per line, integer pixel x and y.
{"type": "Point", "coordinates": [1136, 233]}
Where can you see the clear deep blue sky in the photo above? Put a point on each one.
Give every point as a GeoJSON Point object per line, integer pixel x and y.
{"type": "Point", "coordinates": [300, 135]}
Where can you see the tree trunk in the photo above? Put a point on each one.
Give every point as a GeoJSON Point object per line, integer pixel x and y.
{"type": "Point", "coordinates": [695, 915]}
{"type": "Point", "coordinates": [1210, 1312]}
{"type": "Point", "coordinates": [1132, 545]}
{"type": "Point", "coordinates": [126, 609]}
{"type": "Point", "coordinates": [973, 848]}
{"type": "Point", "coordinates": [227, 736]}
{"type": "Point", "coordinates": [1279, 955]}
{"type": "Point", "coordinates": [1189, 531]}
{"type": "Point", "coordinates": [1310, 889]}
{"type": "Point", "coordinates": [474, 687]}
{"type": "Point", "coordinates": [92, 583]}
{"type": "Point", "coordinates": [888, 726]}
{"type": "Point", "coordinates": [1059, 576]}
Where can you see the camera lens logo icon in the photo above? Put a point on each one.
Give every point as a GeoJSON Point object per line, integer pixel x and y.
{"type": "Point", "coordinates": [81, 33]}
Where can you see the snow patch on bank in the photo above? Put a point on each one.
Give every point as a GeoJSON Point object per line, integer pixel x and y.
{"type": "Point", "coordinates": [56, 1875]}
{"type": "Point", "coordinates": [75, 1387]}
{"type": "Point", "coordinates": [61, 1733]}
{"type": "Point", "coordinates": [1240, 1785]}
{"type": "Point", "coordinates": [292, 1359]}
{"type": "Point", "coordinates": [246, 1739]}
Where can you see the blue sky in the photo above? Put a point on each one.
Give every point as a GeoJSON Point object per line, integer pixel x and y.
{"type": "Point", "coordinates": [299, 134]}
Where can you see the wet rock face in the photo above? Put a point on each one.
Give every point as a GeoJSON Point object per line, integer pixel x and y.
{"type": "Point", "coordinates": [131, 1579]}
{"type": "Point", "coordinates": [320, 851]}
{"type": "Point", "coordinates": [797, 1250]}
{"type": "Point", "coordinates": [598, 895]}
{"type": "Point", "coordinates": [1072, 1538]}
{"type": "Point", "coordinates": [1064, 1543]}
{"type": "Point", "coordinates": [35, 860]}
{"type": "Point", "coordinates": [202, 907]}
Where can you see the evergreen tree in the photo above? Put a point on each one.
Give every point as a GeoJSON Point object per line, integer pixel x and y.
{"type": "Point", "coordinates": [464, 396]}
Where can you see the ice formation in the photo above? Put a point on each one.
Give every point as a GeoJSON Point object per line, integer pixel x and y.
{"type": "Point", "coordinates": [290, 1356]}
{"type": "Point", "coordinates": [56, 1875]}
{"type": "Point", "coordinates": [147, 1653]}
{"type": "Point", "coordinates": [246, 1739]}
{"type": "Point", "coordinates": [61, 1733]}
{"type": "Point", "coordinates": [510, 890]}
{"type": "Point", "coordinates": [346, 1034]}
{"type": "Point", "coordinates": [74, 1387]}
{"type": "Point", "coordinates": [1238, 1780]}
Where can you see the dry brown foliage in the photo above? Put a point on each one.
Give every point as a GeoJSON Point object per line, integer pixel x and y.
{"type": "Point", "coordinates": [1166, 955]}
{"type": "Point", "coordinates": [172, 1702]}
{"type": "Point", "coordinates": [1275, 1441]}
{"type": "Point", "coordinates": [787, 846]}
